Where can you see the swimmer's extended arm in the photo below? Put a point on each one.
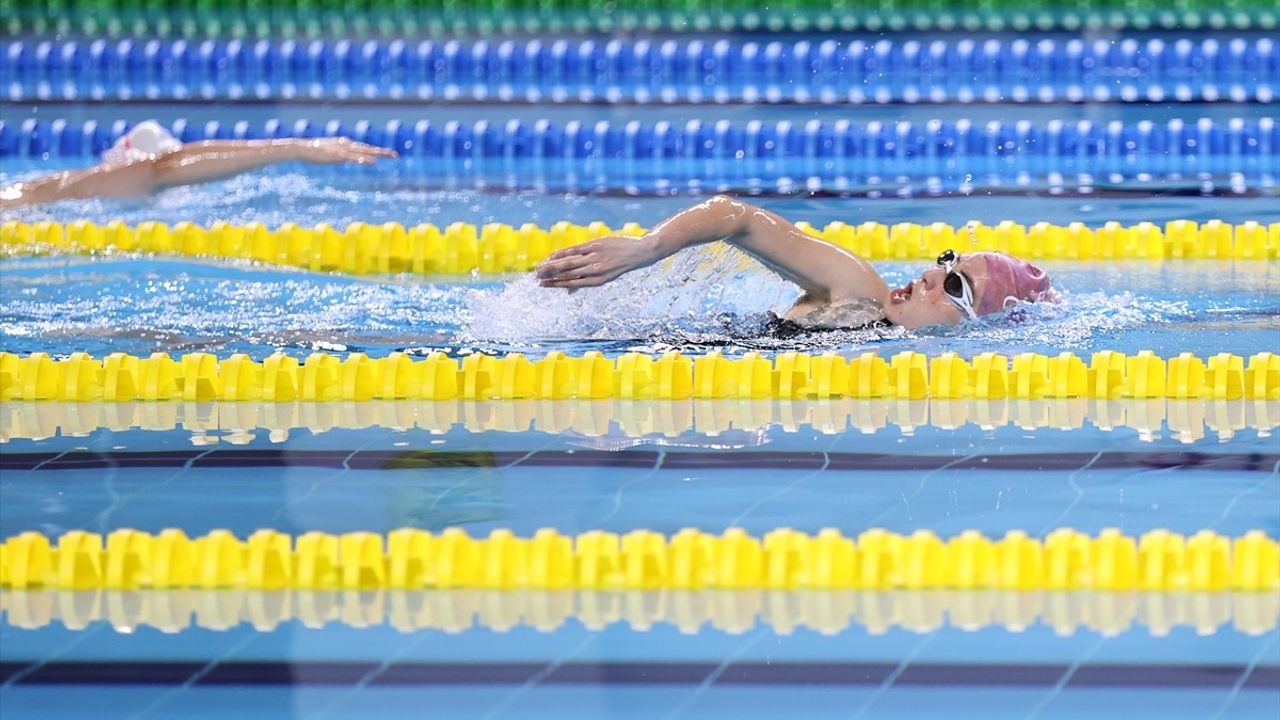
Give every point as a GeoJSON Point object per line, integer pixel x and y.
{"type": "Point", "coordinates": [824, 271]}
{"type": "Point", "coordinates": [190, 163]}
{"type": "Point", "coordinates": [213, 159]}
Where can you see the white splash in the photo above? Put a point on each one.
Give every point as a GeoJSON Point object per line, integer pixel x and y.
{"type": "Point", "coordinates": [686, 293]}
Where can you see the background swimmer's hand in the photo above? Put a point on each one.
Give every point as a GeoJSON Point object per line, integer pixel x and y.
{"type": "Point", "coordinates": [334, 150]}
{"type": "Point", "coordinates": [597, 262]}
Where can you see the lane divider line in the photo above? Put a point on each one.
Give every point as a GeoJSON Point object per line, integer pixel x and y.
{"type": "Point", "coordinates": [783, 559]}
{"type": "Point", "coordinates": [468, 250]}
{"type": "Point", "coordinates": [907, 375]}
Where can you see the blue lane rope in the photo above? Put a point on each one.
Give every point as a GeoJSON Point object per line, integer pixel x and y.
{"type": "Point", "coordinates": [1247, 146]}
{"type": "Point", "coordinates": [643, 71]}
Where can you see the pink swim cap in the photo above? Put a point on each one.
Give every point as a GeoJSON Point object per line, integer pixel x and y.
{"type": "Point", "coordinates": [1010, 277]}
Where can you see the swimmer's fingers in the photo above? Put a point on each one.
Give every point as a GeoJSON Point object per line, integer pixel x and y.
{"type": "Point", "coordinates": [585, 248]}
{"type": "Point", "coordinates": [372, 152]}
{"type": "Point", "coordinates": [592, 275]}
{"type": "Point", "coordinates": [583, 274]}
{"type": "Point", "coordinates": [367, 154]}
{"type": "Point", "coordinates": [611, 250]}
{"type": "Point", "coordinates": [575, 278]}
{"type": "Point", "coordinates": [343, 150]}
{"type": "Point", "coordinates": [574, 283]}
{"type": "Point", "coordinates": [381, 152]}
{"type": "Point", "coordinates": [595, 262]}
{"type": "Point", "coordinates": [571, 266]}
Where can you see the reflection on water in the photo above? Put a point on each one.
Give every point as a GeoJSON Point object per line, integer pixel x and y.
{"type": "Point", "coordinates": [691, 611]}
{"type": "Point", "coordinates": [623, 424]}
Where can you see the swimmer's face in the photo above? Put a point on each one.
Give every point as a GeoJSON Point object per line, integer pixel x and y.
{"type": "Point", "coordinates": [923, 301]}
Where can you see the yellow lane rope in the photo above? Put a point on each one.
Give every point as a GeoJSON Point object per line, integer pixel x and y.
{"type": "Point", "coordinates": [783, 559]}
{"type": "Point", "coordinates": [464, 248]}
{"type": "Point", "coordinates": [671, 376]}
{"type": "Point", "coordinates": [690, 611]}
{"type": "Point", "coordinates": [236, 423]}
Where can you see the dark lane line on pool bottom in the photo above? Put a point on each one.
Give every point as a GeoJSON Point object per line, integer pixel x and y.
{"type": "Point", "coordinates": [1154, 675]}
{"type": "Point", "coordinates": [682, 460]}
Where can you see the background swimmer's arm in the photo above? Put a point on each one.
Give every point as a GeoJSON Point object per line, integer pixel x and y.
{"type": "Point", "coordinates": [98, 181]}
{"type": "Point", "coordinates": [191, 163]}
{"type": "Point", "coordinates": [824, 271]}
{"type": "Point", "coordinates": [214, 159]}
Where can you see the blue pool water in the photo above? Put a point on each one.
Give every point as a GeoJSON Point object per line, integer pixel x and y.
{"type": "Point", "coordinates": [705, 299]}
{"type": "Point", "coordinates": [707, 654]}
{"type": "Point", "coordinates": [944, 466]}
{"type": "Point", "coordinates": [635, 654]}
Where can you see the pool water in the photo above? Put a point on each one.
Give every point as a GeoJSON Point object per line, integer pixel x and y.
{"type": "Point", "coordinates": [706, 299]}
{"type": "Point", "coordinates": [622, 465]}
{"type": "Point", "coordinates": [693, 653]}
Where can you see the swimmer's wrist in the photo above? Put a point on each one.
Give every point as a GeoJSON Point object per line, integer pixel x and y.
{"type": "Point", "coordinates": [653, 250]}
{"type": "Point", "coordinates": [301, 149]}
{"type": "Point", "coordinates": [655, 247]}
{"type": "Point", "coordinates": [306, 149]}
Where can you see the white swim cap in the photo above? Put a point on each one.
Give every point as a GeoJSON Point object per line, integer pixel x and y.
{"type": "Point", "coordinates": [146, 139]}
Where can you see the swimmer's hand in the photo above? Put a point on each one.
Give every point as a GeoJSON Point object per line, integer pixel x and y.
{"type": "Point", "coordinates": [334, 150]}
{"type": "Point", "coordinates": [597, 262]}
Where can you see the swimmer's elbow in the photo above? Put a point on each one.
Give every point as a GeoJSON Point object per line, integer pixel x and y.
{"type": "Point", "coordinates": [165, 170]}
{"type": "Point", "coordinates": [182, 166]}
{"type": "Point", "coordinates": [733, 214]}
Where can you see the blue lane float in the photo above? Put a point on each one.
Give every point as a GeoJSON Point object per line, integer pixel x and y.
{"type": "Point", "coordinates": [643, 71]}
{"type": "Point", "coordinates": [841, 156]}
{"type": "Point", "coordinates": [1231, 145]}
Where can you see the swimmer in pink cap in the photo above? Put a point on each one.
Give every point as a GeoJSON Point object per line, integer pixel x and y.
{"type": "Point", "coordinates": [840, 289]}
{"type": "Point", "coordinates": [149, 158]}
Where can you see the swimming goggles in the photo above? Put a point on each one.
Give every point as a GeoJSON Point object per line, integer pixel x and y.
{"type": "Point", "coordinates": [956, 286]}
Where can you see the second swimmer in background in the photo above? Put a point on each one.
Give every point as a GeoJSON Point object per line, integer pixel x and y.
{"type": "Point", "coordinates": [840, 289]}
{"type": "Point", "coordinates": [149, 158]}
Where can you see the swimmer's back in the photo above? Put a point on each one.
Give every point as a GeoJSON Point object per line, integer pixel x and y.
{"type": "Point", "coordinates": [783, 329]}
{"type": "Point", "coordinates": [853, 314]}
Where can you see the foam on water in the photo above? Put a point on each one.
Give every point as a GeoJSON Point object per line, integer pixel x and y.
{"type": "Point", "coordinates": [690, 292]}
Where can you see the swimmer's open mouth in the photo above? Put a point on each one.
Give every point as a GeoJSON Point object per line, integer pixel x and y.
{"type": "Point", "coordinates": [902, 294]}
